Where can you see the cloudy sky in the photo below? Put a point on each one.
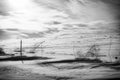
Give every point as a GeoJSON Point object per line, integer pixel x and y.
{"type": "Point", "coordinates": [38, 18]}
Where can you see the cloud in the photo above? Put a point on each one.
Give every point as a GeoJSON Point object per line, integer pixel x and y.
{"type": "Point", "coordinates": [115, 6]}
{"type": "Point", "coordinates": [29, 16]}
{"type": "Point", "coordinates": [25, 34]}
{"type": "Point", "coordinates": [51, 30]}
{"type": "Point", "coordinates": [54, 23]}
{"type": "Point", "coordinates": [85, 10]}
{"type": "Point", "coordinates": [3, 8]}
{"type": "Point", "coordinates": [95, 12]}
{"type": "Point", "coordinates": [3, 34]}
{"type": "Point", "coordinates": [81, 25]}
{"type": "Point", "coordinates": [103, 27]}
{"type": "Point", "coordinates": [35, 35]}
{"type": "Point", "coordinates": [38, 18]}
{"type": "Point", "coordinates": [13, 29]}
{"type": "Point", "coordinates": [17, 33]}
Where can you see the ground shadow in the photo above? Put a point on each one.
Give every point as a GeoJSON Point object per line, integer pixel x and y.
{"type": "Point", "coordinates": [107, 79]}
{"type": "Point", "coordinates": [18, 58]}
{"type": "Point", "coordinates": [115, 66]}
{"type": "Point", "coordinates": [74, 60]}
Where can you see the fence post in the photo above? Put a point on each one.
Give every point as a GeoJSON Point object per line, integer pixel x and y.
{"type": "Point", "coordinates": [110, 49]}
{"type": "Point", "coordinates": [21, 54]}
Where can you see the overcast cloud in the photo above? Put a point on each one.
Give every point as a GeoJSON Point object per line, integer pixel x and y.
{"type": "Point", "coordinates": [51, 16]}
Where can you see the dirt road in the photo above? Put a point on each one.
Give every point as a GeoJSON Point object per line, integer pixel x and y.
{"type": "Point", "coordinates": [9, 72]}
{"type": "Point", "coordinates": [34, 70]}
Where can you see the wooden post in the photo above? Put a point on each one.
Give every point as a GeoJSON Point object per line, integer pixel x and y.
{"type": "Point", "coordinates": [21, 48]}
{"type": "Point", "coordinates": [110, 49]}
{"type": "Point", "coordinates": [21, 54]}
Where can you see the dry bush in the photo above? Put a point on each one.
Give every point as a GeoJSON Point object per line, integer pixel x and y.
{"type": "Point", "coordinates": [2, 51]}
{"type": "Point", "coordinates": [93, 51]}
{"type": "Point", "coordinates": [79, 55]}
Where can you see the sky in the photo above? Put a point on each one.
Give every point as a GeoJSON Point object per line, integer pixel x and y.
{"type": "Point", "coordinates": [40, 18]}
